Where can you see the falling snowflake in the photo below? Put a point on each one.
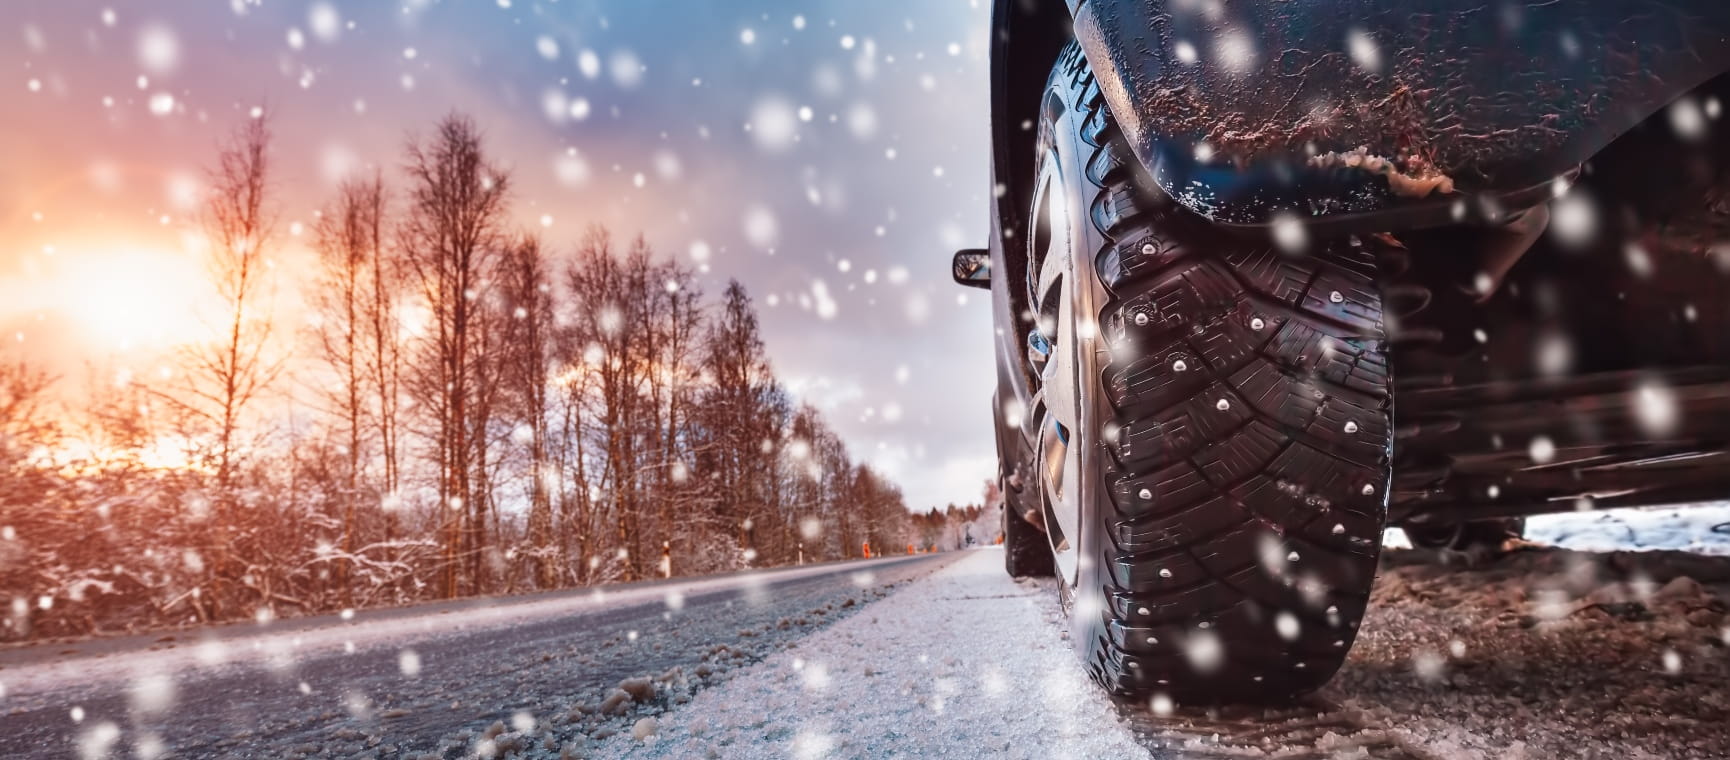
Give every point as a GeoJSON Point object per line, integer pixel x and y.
{"type": "Point", "coordinates": [1541, 450]}
{"type": "Point", "coordinates": [1364, 51]}
{"type": "Point", "coordinates": [1574, 220]}
{"type": "Point", "coordinates": [152, 695]}
{"type": "Point", "coordinates": [571, 170]}
{"type": "Point", "coordinates": [1234, 51]}
{"type": "Point", "coordinates": [158, 49]}
{"type": "Point", "coordinates": [1428, 666]}
{"type": "Point", "coordinates": [862, 120]}
{"type": "Point", "coordinates": [324, 21]}
{"type": "Point", "coordinates": [626, 69]}
{"type": "Point", "coordinates": [1656, 409]}
{"type": "Point", "coordinates": [408, 661]}
{"type": "Point", "coordinates": [547, 47]}
{"type": "Point", "coordinates": [825, 303]}
{"type": "Point", "coordinates": [761, 228]}
{"type": "Point", "coordinates": [774, 124]}
{"type": "Point", "coordinates": [162, 104]}
{"type": "Point", "coordinates": [1290, 234]}
{"type": "Point", "coordinates": [1688, 119]}
{"type": "Point", "coordinates": [1205, 652]}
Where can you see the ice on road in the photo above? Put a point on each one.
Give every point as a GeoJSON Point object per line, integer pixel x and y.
{"type": "Point", "coordinates": [964, 663]}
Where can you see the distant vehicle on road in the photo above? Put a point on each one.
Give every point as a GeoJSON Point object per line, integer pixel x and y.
{"type": "Point", "coordinates": [1270, 276]}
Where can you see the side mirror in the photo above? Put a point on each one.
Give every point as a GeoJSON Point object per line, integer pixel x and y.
{"type": "Point", "coordinates": [972, 268]}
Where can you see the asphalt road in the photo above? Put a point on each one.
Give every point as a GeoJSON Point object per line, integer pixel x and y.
{"type": "Point", "coordinates": [426, 680]}
{"type": "Point", "coordinates": [1541, 653]}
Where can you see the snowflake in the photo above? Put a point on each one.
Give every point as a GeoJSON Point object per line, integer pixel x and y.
{"type": "Point", "coordinates": [158, 49]}
{"type": "Point", "coordinates": [626, 69]}
{"type": "Point", "coordinates": [774, 124]}
{"type": "Point", "coordinates": [547, 47]}
{"type": "Point", "coordinates": [1364, 51]}
{"type": "Point", "coordinates": [325, 22]}
{"type": "Point", "coordinates": [760, 226]}
{"type": "Point", "coordinates": [408, 661]}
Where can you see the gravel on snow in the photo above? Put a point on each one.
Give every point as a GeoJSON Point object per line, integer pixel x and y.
{"type": "Point", "coordinates": [1547, 652]}
{"type": "Point", "coordinates": [963, 663]}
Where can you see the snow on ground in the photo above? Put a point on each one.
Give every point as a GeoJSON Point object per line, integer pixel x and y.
{"type": "Point", "coordinates": [281, 643]}
{"type": "Point", "coordinates": [1686, 528]}
{"type": "Point", "coordinates": [1683, 528]}
{"type": "Point", "coordinates": [964, 663]}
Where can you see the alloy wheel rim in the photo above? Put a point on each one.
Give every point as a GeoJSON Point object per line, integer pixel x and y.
{"type": "Point", "coordinates": [1052, 344]}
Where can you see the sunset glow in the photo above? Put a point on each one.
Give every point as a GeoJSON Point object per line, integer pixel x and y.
{"type": "Point", "coordinates": [134, 298]}
{"type": "Point", "coordinates": [821, 186]}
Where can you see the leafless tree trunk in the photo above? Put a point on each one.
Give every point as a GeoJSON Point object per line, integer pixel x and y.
{"type": "Point", "coordinates": [380, 315]}
{"type": "Point", "coordinates": [346, 239]}
{"type": "Point", "coordinates": [450, 239]}
{"type": "Point", "coordinates": [528, 352]}
{"type": "Point", "coordinates": [225, 377]}
{"type": "Point", "coordinates": [741, 417]}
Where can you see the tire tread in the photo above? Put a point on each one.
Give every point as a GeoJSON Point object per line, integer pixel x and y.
{"type": "Point", "coordinates": [1237, 489]}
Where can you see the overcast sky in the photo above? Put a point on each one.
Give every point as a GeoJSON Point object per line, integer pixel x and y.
{"type": "Point", "coordinates": [829, 155]}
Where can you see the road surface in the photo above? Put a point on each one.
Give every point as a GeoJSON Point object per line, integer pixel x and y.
{"type": "Point", "coordinates": [1543, 653]}
{"type": "Point", "coordinates": [398, 683]}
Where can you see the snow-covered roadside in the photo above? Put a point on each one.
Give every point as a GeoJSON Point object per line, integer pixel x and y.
{"type": "Point", "coordinates": [1683, 528]}
{"type": "Point", "coordinates": [965, 662]}
{"type": "Point", "coordinates": [278, 645]}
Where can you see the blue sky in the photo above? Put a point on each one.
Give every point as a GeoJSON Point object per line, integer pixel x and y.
{"type": "Point", "coordinates": [829, 155]}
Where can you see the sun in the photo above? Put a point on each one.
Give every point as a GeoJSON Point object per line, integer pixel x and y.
{"type": "Point", "coordinates": [136, 298]}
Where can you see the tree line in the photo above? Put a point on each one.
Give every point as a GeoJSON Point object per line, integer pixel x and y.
{"type": "Point", "coordinates": [468, 412]}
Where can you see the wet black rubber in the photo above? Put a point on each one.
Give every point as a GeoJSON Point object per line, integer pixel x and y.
{"type": "Point", "coordinates": [1026, 552]}
{"type": "Point", "coordinates": [1243, 465]}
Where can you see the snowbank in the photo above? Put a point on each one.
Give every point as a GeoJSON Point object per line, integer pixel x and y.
{"type": "Point", "coordinates": [1683, 528]}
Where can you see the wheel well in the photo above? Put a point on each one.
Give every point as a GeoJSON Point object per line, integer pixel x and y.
{"type": "Point", "coordinates": [1026, 37]}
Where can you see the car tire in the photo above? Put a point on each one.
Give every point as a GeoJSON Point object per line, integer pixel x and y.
{"type": "Point", "coordinates": [1232, 427]}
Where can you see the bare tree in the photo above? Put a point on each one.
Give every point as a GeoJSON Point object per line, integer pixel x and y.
{"type": "Point", "coordinates": [741, 415]}
{"type": "Point", "coordinates": [527, 357]}
{"type": "Point", "coordinates": [594, 417]}
{"type": "Point", "coordinates": [450, 239]}
{"type": "Point", "coordinates": [226, 376]}
{"type": "Point", "coordinates": [223, 379]}
{"type": "Point", "coordinates": [605, 323]}
{"type": "Point", "coordinates": [380, 317]}
{"type": "Point", "coordinates": [352, 342]}
{"type": "Point", "coordinates": [24, 419]}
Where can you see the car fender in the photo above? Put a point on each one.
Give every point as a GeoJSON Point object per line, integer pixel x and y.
{"type": "Point", "coordinates": [1246, 109]}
